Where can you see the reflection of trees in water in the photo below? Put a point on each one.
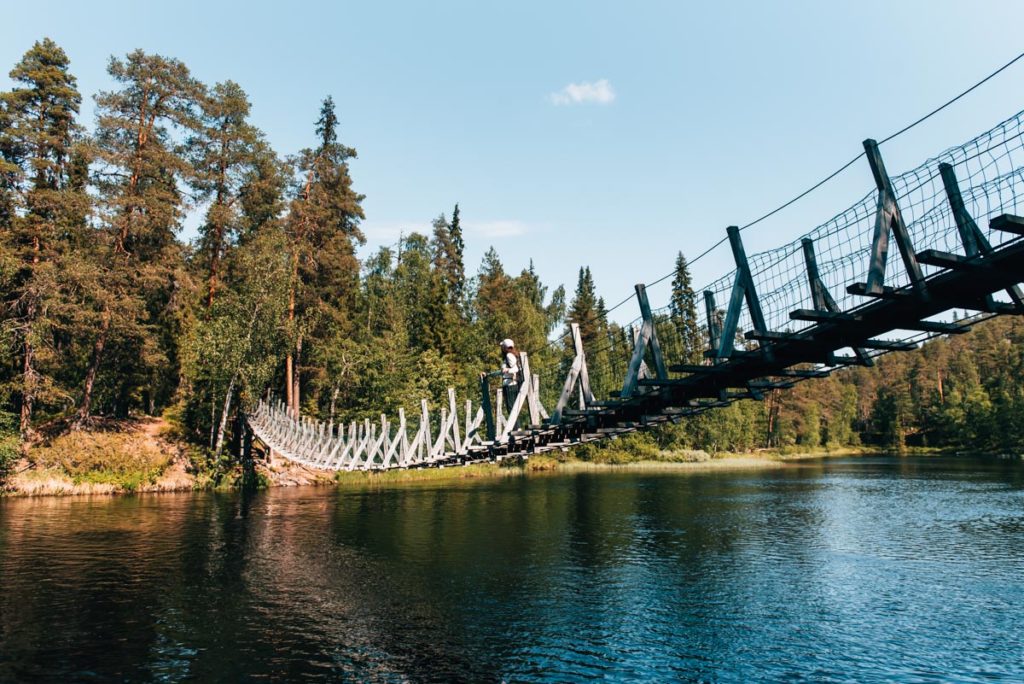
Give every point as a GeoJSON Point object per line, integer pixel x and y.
{"type": "Point", "coordinates": [80, 577]}
{"type": "Point", "coordinates": [555, 575]}
{"type": "Point", "coordinates": [456, 563]}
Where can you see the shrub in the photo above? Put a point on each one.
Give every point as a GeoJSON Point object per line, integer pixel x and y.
{"type": "Point", "coordinates": [10, 444]}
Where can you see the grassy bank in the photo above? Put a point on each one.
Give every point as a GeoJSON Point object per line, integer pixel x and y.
{"type": "Point", "coordinates": [140, 455]}
{"type": "Point", "coordinates": [684, 461]}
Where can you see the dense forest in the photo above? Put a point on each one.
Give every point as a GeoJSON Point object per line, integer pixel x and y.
{"type": "Point", "coordinates": [108, 314]}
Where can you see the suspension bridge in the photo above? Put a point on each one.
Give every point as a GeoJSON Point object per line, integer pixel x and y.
{"type": "Point", "coordinates": [831, 299]}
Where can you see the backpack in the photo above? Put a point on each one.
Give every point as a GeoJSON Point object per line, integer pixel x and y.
{"type": "Point", "coordinates": [520, 376]}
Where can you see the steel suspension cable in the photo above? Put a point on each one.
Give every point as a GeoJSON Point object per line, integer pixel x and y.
{"type": "Point", "coordinates": [838, 171]}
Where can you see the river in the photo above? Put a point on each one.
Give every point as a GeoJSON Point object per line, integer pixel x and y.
{"type": "Point", "coordinates": [867, 569]}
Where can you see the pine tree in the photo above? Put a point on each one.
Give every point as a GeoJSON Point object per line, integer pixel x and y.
{"type": "Point", "coordinates": [224, 157]}
{"type": "Point", "coordinates": [141, 167]}
{"type": "Point", "coordinates": [43, 204]}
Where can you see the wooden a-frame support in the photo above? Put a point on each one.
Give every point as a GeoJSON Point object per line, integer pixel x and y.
{"type": "Point", "coordinates": [821, 298]}
{"type": "Point", "coordinates": [577, 379]}
{"type": "Point", "coordinates": [975, 242]}
{"type": "Point", "coordinates": [724, 339]}
{"type": "Point", "coordinates": [647, 337]}
{"type": "Point", "coordinates": [888, 219]}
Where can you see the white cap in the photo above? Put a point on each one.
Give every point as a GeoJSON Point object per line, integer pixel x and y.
{"type": "Point", "coordinates": [507, 343]}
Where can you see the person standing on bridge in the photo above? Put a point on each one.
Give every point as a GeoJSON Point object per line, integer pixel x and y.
{"type": "Point", "coordinates": [511, 372]}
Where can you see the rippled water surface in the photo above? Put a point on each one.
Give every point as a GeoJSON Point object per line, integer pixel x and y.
{"type": "Point", "coordinates": [863, 569]}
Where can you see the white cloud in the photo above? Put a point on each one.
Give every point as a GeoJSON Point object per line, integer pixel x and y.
{"type": "Point", "coordinates": [598, 92]}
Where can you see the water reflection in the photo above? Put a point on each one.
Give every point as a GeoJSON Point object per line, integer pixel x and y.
{"type": "Point", "coordinates": [867, 569]}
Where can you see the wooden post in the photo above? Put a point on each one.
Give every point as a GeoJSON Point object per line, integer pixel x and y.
{"type": "Point", "coordinates": [535, 393]}
{"type": "Point", "coordinates": [527, 386]}
{"type": "Point", "coordinates": [644, 372]}
{"type": "Point", "coordinates": [456, 437]}
{"type": "Point", "coordinates": [586, 395]}
{"type": "Point", "coordinates": [742, 289]}
{"type": "Point", "coordinates": [425, 428]}
{"type": "Point", "coordinates": [889, 217]}
{"type": "Point", "coordinates": [714, 331]}
{"type": "Point", "coordinates": [404, 444]}
{"type": "Point", "coordinates": [576, 378]}
{"type": "Point", "coordinates": [499, 410]}
{"type": "Point", "coordinates": [485, 404]}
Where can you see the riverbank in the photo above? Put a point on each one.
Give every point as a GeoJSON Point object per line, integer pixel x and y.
{"type": "Point", "coordinates": [142, 455]}
{"type": "Point", "coordinates": [699, 462]}
{"type": "Point", "coordinates": [150, 455]}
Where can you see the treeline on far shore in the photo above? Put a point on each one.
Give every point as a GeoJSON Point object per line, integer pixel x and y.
{"type": "Point", "coordinates": [107, 314]}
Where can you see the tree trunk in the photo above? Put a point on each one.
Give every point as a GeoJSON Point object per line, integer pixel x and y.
{"type": "Point", "coordinates": [214, 265]}
{"type": "Point", "coordinates": [218, 243]}
{"type": "Point", "coordinates": [213, 421]}
{"type": "Point", "coordinates": [219, 444]}
{"type": "Point", "coordinates": [774, 409]}
{"type": "Point", "coordinates": [295, 377]}
{"type": "Point", "coordinates": [90, 375]}
{"type": "Point", "coordinates": [334, 399]}
{"type": "Point", "coordinates": [289, 362]}
{"type": "Point", "coordinates": [28, 393]}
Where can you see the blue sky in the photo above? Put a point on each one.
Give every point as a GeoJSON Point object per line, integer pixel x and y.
{"type": "Point", "coordinates": [684, 117]}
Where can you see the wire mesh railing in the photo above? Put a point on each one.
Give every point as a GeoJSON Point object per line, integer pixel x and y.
{"type": "Point", "coordinates": [990, 171]}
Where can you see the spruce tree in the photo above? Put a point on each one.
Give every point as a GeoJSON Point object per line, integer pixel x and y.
{"type": "Point", "coordinates": [456, 260]}
{"type": "Point", "coordinates": [583, 310]}
{"type": "Point", "coordinates": [446, 326]}
{"type": "Point", "coordinates": [448, 248]}
{"type": "Point", "coordinates": [323, 228]}
{"type": "Point", "coordinates": [262, 195]}
{"type": "Point", "coordinates": [683, 308]}
{"type": "Point", "coordinates": [495, 303]}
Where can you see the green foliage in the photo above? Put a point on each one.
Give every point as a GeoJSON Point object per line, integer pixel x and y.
{"type": "Point", "coordinates": [210, 470]}
{"type": "Point", "coordinates": [10, 445]}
